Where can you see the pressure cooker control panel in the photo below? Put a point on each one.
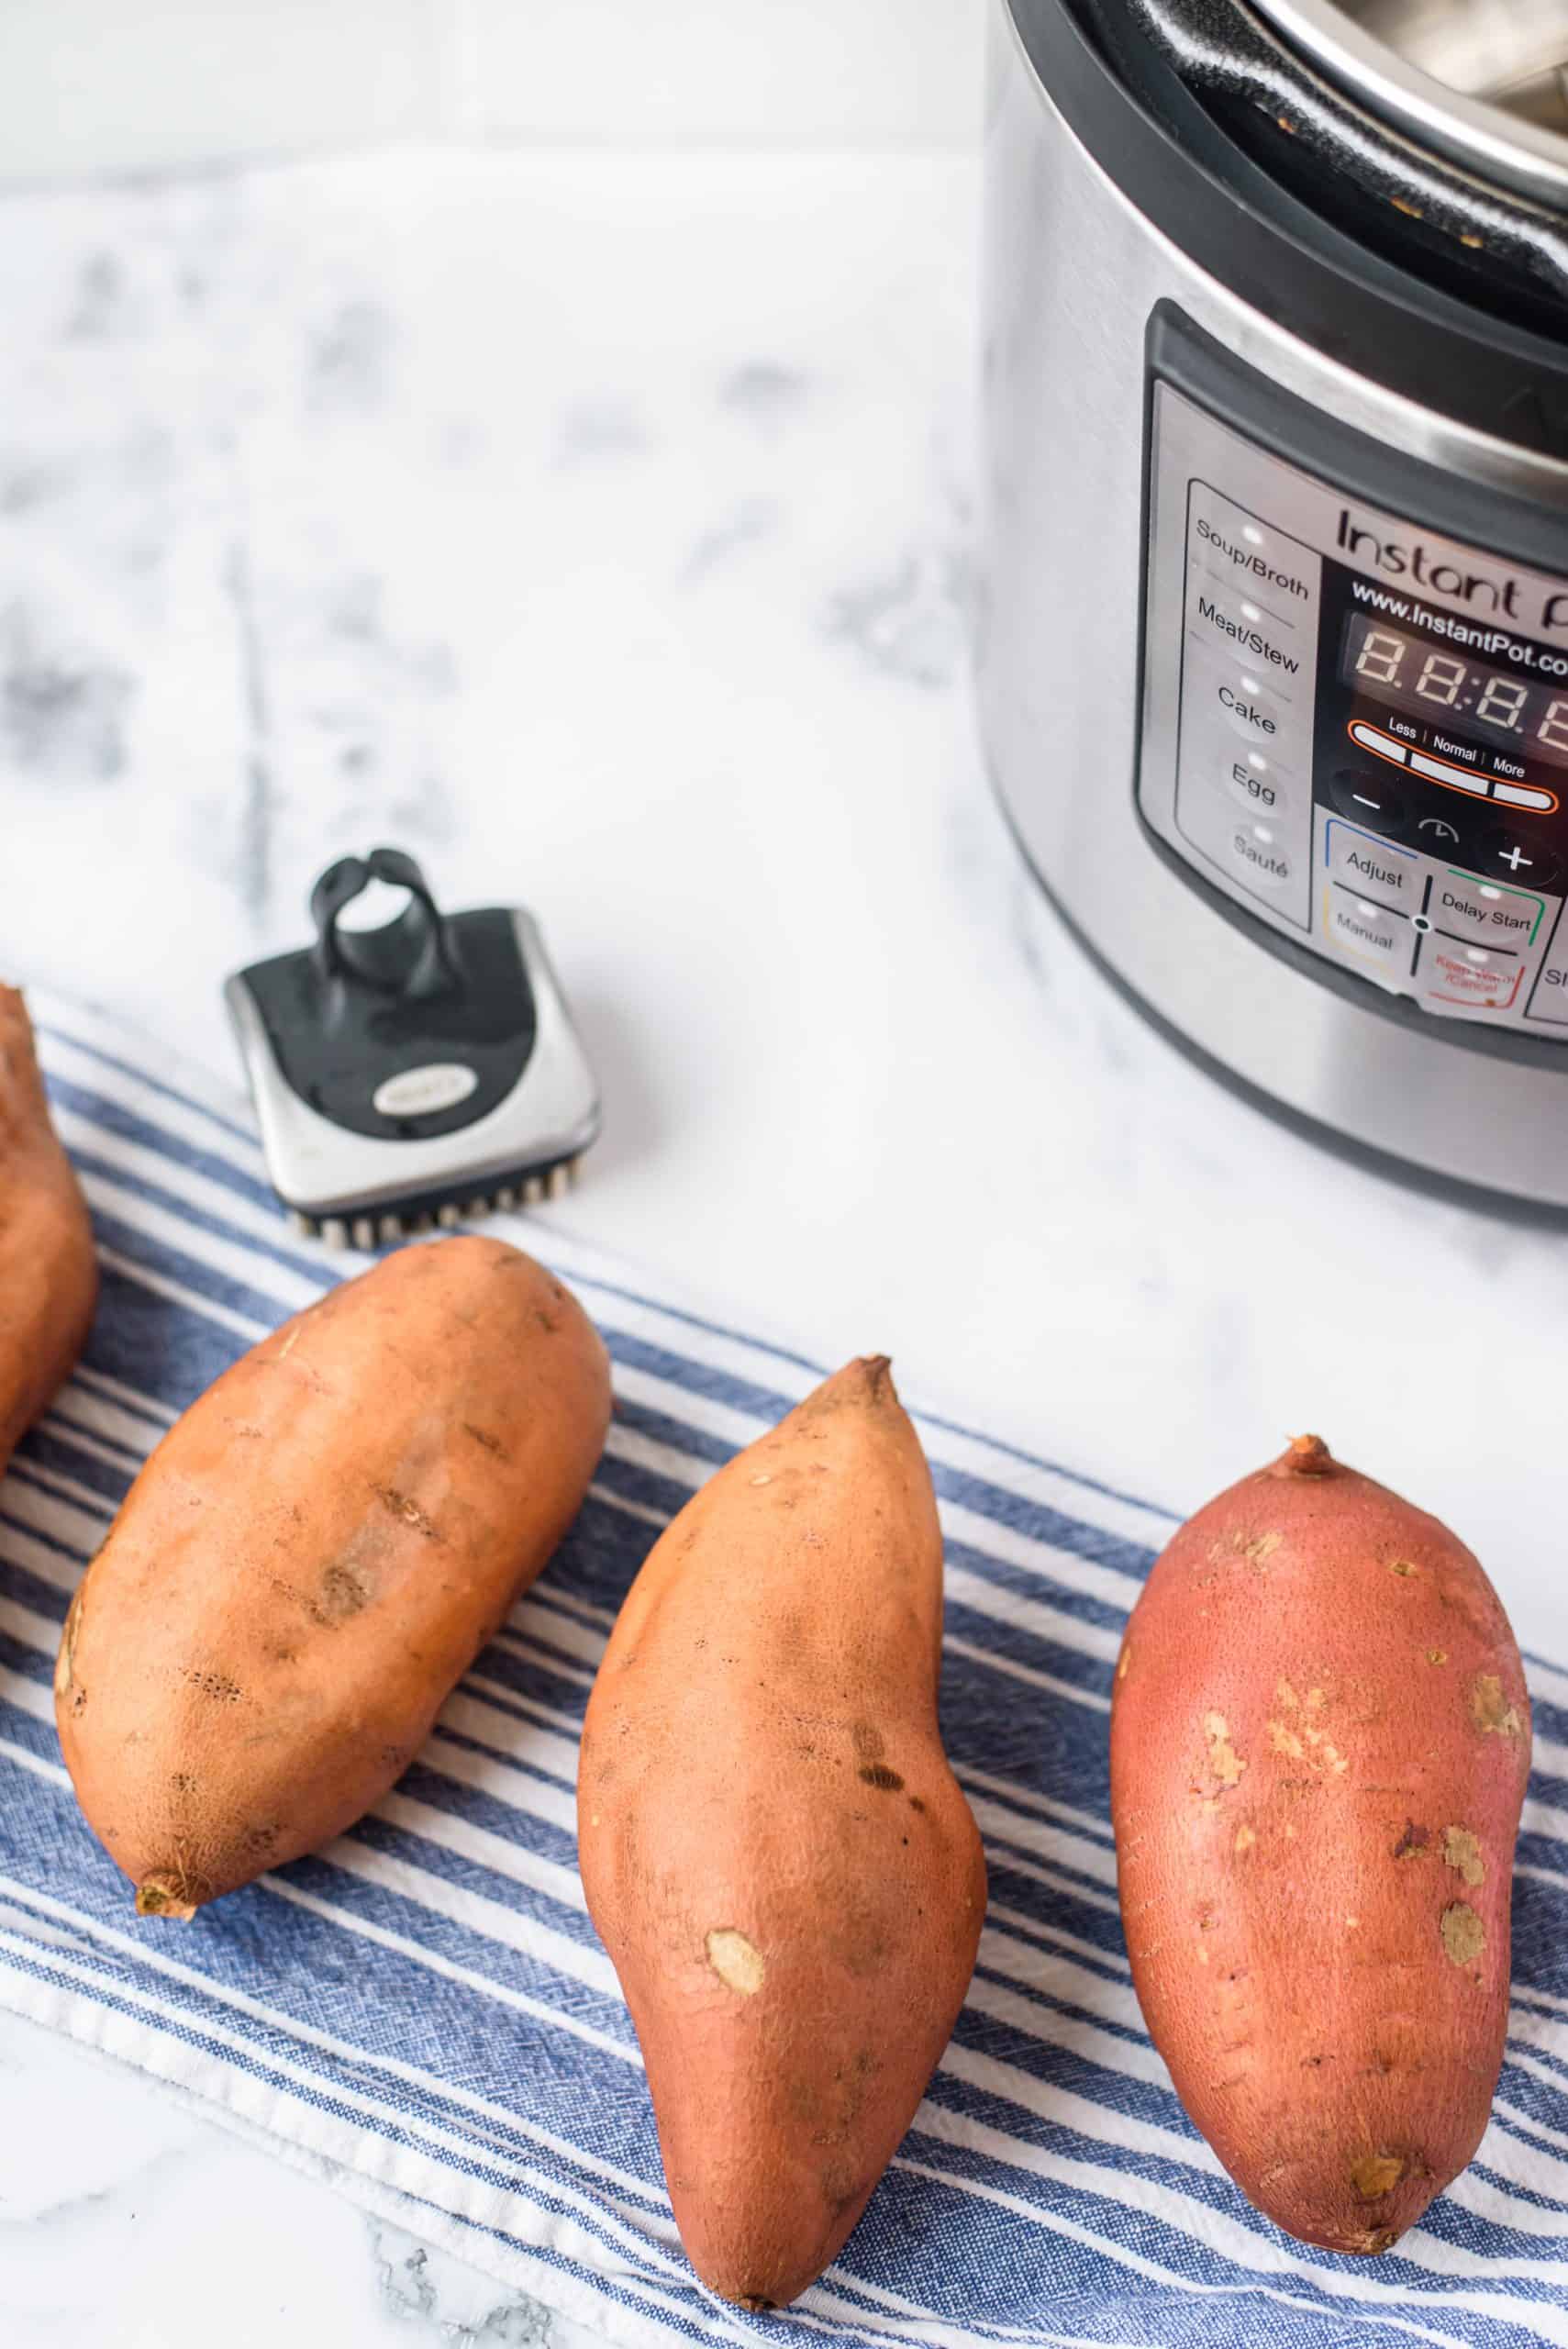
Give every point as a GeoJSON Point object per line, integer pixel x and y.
{"type": "Point", "coordinates": [1355, 728]}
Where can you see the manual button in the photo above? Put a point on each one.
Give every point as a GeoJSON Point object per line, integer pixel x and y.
{"type": "Point", "coordinates": [1375, 934]}
{"type": "Point", "coordinates": [1373, 866]}
{"type": "Point", "coordinates": [1484, 913]}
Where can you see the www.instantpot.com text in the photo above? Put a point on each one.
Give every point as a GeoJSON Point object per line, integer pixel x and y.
{"type": "Point", "coordinates": [1497, 642]}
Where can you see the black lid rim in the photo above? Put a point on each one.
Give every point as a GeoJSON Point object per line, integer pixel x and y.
{"type": "Point", "coordinates": [1271, 250]}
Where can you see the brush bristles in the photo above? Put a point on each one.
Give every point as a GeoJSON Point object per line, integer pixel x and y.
{"type": "Point", "coordinates": [387, 1226]}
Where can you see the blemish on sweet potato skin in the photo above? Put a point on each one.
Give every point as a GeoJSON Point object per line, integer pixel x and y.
{"type": "Point", "coordinates": [1224, 1763]}
{"type": "Point", "coordinates": [1361, 1952]}
{"type": "Point", "coordinates": [1463, 1852]}
{"type": "Point", "coordinates": [1463, 1934]}
{"type": "Point", "coordinates": [1490, 1709]}
{"type": "Point", "coordinates": [1371, 2176]}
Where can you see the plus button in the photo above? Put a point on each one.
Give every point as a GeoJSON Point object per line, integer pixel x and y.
{"type": "Point", "coordinates": [1513, 858]}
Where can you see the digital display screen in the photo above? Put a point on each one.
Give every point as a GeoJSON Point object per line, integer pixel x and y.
{"type": "Point", "coordinates": [1507, 712]}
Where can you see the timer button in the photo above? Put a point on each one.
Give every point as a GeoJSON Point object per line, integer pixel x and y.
{"type": "Point", "coordinates": [1381, 801]}
{"type": "Point", "coordinates": [1502, 854]}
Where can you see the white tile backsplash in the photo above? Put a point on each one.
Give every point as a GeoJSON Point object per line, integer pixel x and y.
{"type": "Point", "coordinates": [90, 86]}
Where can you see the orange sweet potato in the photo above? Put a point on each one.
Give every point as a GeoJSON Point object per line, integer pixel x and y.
{"type": "Point", "coordinates": [48, 1274]}
{"type": "Point", "coordinates": [1319, 1743]}
{"type": "Point", "coordinates": [773, 1847]}
{"type": "Point", "coordinates": [313, 1554]}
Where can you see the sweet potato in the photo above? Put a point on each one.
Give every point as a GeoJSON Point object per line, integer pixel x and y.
{"type": "Point", "coordinates": [48, 1274]}
{"type": "Point", "coordinates": [773, 1847]}
{"type": "Point", "coordinates": [313, 1554]}
{"type": "Point", "coordinates": [1319, 1743]}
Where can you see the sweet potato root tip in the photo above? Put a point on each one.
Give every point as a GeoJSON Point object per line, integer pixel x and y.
{"type": "Point", "coordinates": [1306, 1455]}
{"type": "Point", "coordinates": [167, 1895]}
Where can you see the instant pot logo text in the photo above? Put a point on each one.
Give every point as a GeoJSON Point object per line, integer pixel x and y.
{"type": "Point", "coordinates": [1496, 594]}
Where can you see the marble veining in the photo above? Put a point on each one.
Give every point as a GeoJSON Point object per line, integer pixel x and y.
{"type": "Point", "coordinates": [600, 528]}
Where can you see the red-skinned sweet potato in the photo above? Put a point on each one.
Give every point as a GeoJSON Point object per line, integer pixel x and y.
{"type": "Point", "coordinates": [314, 1553]}
{"type": "Point", "coordinates": [1319, 1743]}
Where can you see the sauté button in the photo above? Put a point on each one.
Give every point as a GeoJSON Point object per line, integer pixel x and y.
{"type": "Point", "coordinates": [1369, 797]}
{"type": "Point", "coordinates": [1259, 853]}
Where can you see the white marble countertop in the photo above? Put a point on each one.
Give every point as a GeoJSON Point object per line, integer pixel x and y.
{"type": "Point", "coordinates": [599, 528]}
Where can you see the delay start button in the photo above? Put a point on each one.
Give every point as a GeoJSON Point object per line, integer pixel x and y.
{"type": "Point", "coordinates": [1464, 906]}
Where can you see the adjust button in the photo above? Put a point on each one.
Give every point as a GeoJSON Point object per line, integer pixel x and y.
{"type": "Point", "coordinates": [1484, 913]}
{"type": "Point", "coordinates": [1370, 866]}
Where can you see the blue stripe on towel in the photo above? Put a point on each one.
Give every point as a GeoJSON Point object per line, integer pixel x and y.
{"type": "Point", "coordinates": [426, 2002]}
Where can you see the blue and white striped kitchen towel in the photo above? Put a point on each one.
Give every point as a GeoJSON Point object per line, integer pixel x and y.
{"type": "Point", "coordinates": [426, 2004]}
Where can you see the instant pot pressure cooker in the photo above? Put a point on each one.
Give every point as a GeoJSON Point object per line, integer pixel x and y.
{"type": "Point", "coordinates": [1274, 657]}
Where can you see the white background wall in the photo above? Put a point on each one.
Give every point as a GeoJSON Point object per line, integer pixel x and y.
{"type": "Point", "coordinates": [96, 86]}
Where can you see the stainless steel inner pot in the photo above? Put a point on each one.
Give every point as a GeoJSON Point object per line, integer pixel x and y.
{"type": "Point", "coordinates": [1483, 80]}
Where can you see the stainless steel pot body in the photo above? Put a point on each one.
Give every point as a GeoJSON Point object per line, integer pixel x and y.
{"type": "Point", "coordinates": [1073, 273]}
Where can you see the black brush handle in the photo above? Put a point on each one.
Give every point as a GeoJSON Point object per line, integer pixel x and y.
{"type": "Point", "coordinates": [410, 956]}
